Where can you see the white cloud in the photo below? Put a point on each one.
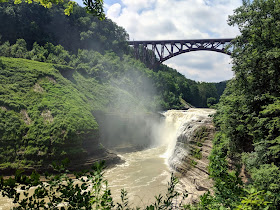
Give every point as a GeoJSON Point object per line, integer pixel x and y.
{"type": "Point", "coordinates": [181, 19]}
{"type": "Point", "coordinates": [203, 66]}
{"type": "Point", "coordinates": [114, 11]}
{"type": "Point", "coordinates": [136, 5]}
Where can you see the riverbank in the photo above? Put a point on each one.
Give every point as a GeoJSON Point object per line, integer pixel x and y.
{"type": "Point", "coordinates": [110, 158]}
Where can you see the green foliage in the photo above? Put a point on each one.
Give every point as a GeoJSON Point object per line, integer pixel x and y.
{"type": "Point", "coordinates": [255, 200]}
{"type": "Point", "coordinates": [40, 28]}
{"type": "Point", "coordinates": [206, 91]}
{"type": "Point", "coordinates": [248, 112]}
{"type": "Point", "coordinates": [193, 163]}
{"type": "Point", "coordinates": [124, 200]}
{"type": "Point", "coordinates": [211, 101]}
{"type": "Point", "coordinates": [208, 201]}
{"type": "Point", "coordinates": [88, 190]}
{"type": "Point", "coordinates": [53, 103]}
{"type": "Point", "coordinates": [163, 89]}
{"type": "Point", "coordinates": [266, 178]}
{"type": "Point", "coordinates": [46, 108]}
{"type": "Point", "coordinates": [94, 7]}
{"type": "Point", "coordinates": [42, 114]}
{"type": "Point", "coordinates": [19, 50]}
{"type": "Point", "coordinates": [79, 30]}
{"type": "Point", "coordinates": [1, 64]}
{"type": "Point", "coordinates": [169, 201]}
{"type": "Point", "coordinates": [196, 153]}
{"type": "Point", "coordinates": [228, 185]}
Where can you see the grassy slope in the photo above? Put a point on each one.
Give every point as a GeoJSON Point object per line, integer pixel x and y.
{"type": "Point", "coordinates": [46, 111]}
{"type": "Point", "coordinates": [42, 113]}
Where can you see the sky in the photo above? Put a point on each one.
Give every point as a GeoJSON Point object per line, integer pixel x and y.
{"type": "Point", "coordinates": [180, 19]}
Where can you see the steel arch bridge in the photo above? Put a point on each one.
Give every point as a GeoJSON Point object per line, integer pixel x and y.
{"type": "Point", "coordinates": [155, 52]}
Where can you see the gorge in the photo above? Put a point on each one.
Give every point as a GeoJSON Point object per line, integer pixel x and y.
{"type": "Point", "coordinates": [145, 173]}
{"type": "Point", "coordinates": [70, 87]}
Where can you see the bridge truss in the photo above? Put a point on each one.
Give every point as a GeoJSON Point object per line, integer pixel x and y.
{"type": "Point", "coordinates": [155, 52]}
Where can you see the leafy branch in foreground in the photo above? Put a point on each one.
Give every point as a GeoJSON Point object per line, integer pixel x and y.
{"type": "Point", "coordinates": [87, 190]}
{"type": "Point", "coordinates": [172, 200]}
{"type": "Point", "coordinates": [94, 7]}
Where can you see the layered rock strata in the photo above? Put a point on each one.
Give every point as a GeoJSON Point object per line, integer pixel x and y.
{"type": "Point", "coordinates": [190, 157]}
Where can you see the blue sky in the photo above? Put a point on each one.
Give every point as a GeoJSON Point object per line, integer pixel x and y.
{"type": "Point", "coordinates": [180, 19]}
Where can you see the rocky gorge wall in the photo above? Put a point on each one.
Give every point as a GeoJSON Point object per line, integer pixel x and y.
{"type": "Point", "coordinates": [193, 145]}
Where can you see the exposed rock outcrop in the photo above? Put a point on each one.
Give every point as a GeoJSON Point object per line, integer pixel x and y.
{"type": "Point", "coordinates": [3, 108]}
{"type": "Point", "coordinates": [47, 115]}
{"type": "Point", "coordinates": [25, 116]}
{"type": "Point", "coordinates": [190, 157]}
{"type": "Point", "coordinates": [37, 88]}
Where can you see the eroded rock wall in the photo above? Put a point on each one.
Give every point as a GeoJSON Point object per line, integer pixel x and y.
{"type": "Point", "coordinates": [190, 157]}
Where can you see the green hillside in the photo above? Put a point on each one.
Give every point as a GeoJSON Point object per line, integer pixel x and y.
{"type": "Point", "coordinates": [47, 110]}
{"type": "Point", "coordinates": [43, 115]}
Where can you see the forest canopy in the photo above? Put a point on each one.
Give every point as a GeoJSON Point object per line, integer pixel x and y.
{"type": "Point", "coordinates": [94, 7]}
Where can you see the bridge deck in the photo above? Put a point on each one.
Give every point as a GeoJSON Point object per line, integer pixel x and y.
{"type": "Point", "coordinates": [179, 41]}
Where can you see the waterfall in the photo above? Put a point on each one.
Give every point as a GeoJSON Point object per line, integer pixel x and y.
{"type": "Point", "coordinates": [178, 131]}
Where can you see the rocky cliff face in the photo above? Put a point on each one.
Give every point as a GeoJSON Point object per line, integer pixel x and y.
{"type": "Point", "coordinates": [190, 157]}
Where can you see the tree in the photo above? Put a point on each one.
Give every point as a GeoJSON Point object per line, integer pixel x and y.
{"type": "Point", "coordinates": [248, 112]}
{"type": "Point", "coordinates": [19, 49]}
{"type": "Point", "coordinates": [94, 7]}
{"type": "Point", "coordinates": [257, 69]}
{"type": "Point", "coordinates": [211, 101]}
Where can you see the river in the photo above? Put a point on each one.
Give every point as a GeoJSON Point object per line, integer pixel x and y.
{"type": "Point", "coordinates": [146, 173]}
